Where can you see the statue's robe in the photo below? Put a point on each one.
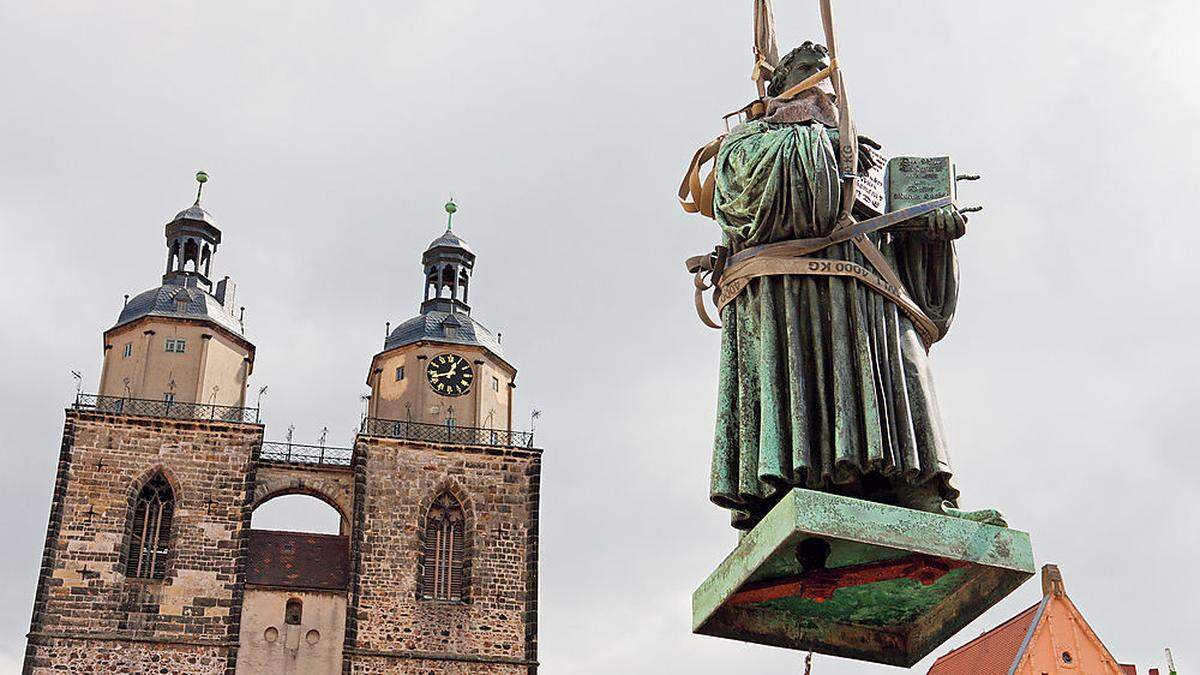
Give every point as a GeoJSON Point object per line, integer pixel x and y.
{"type": "Point", "coordinates": [824, 383]}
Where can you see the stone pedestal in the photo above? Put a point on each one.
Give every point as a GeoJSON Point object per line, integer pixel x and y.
{"type": "Point", "coordinates": [857, 579]}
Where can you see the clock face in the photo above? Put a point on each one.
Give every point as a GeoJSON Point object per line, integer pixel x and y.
{"type": "Point", "coordinates": [449, 374]}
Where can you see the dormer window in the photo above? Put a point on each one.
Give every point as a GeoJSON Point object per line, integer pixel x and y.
{"type": "Point", "coordinates": [176, 345]}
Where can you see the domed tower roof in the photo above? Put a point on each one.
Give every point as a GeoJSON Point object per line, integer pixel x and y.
{"type": "Point", "coordinates": [448, 265]}
{"type": "Point", "coordinates": [187, 290]}
{"type": "Point", "coordinates": [194, 212]}
{"type": "Point", "coordinates": [180, 302]}
{"type": "Point", "coordinates": [450, 240]}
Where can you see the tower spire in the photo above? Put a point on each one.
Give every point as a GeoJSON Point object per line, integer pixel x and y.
{"type": "Point", "coordinates": [448, 263]}
{"type": "Point", "coordinates": [192, 239]}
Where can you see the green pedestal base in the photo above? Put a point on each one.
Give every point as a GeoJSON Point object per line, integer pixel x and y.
{"type": "Point", "coordinates": [896, 584]}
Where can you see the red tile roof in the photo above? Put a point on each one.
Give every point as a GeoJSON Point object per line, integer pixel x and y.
{"type": "Point", "coordinates": [298, 560]}
{"type": "Point", "coordinates": [992, 653]}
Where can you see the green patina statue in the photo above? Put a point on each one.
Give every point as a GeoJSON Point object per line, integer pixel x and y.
{"type": "Point", "coordinates": [825, 382]}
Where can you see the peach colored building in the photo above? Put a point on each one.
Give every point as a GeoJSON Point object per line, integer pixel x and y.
{"type": "Point", "coordinates": [1049, 637]}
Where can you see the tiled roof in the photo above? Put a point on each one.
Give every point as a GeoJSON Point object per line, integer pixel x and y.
{"type": "Point", "coordinates": [992, 653]}
{"type": "Point", "coordinates": [162, 301]}
{"type": "Point", "coordinates": [298, 560]}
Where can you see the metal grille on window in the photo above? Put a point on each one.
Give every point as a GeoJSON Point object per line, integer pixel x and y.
{"type": "Point", "coordinates": [442, 554]}
{"type": "Point", "coordinates": [151, 540]}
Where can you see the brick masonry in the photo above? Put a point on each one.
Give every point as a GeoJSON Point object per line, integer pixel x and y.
{"type": "Point", "coordinates": [494, 630]}
{"type": "Point", "coordinates": [88, 617]}
{"type": "Point", "coordinates": [86, 612]}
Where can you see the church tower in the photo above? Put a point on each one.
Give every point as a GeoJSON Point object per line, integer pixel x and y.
{"type": "Point", "coordinates": [443, 367]}
{"type": "Point", "coordinates": [445, 551]}
{"type": "Point", "coordinates": [182, 342]}
{"type": "Point", "coordinates": [144, 557]}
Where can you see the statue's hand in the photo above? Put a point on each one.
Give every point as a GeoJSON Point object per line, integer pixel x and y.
{"type": "Point", "coordinates": [866, 161]}
{"type": "Point", "coordinates": [945, 224]}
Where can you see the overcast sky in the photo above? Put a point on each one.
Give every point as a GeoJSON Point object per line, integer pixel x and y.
{"type": "Point", "coordinates": [334, 132]}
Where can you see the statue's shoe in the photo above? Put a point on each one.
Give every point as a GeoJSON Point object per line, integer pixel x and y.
{"type": "Point", "coordinates": [985, 516]}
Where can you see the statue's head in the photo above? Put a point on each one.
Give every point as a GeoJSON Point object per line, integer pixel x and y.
{"type": "Point", "coordinates": [799, 64]}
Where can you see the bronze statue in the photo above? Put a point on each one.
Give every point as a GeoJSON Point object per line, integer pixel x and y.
{"type": "Point", "coordinates": [835, 275]}
{"type": "Point", "coordinates": [825, 381]}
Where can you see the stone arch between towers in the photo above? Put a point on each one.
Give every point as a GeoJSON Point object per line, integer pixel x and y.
{"type": "Point", "coordinates": [334, 486]}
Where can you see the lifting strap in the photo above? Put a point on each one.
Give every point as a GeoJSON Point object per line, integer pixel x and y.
{"type": "Point", "coordinates": [696, 196]}
{"type": "Point", "coordinates": [730, 275]}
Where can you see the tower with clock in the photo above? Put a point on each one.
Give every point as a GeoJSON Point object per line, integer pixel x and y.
{"type": "Point", "coordinates": [443, 367]}
{"type": "Point", "coordinates": [445, 547]}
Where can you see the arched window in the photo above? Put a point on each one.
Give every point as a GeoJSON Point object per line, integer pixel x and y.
{"type": "Point", "coordinates": [293, 612]}
{"type": "Point", "coordinates": [151, 540]}
{"type": "Point", "coordinates": [442, 552]}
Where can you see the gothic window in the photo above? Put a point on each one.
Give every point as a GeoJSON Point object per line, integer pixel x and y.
{"type": "Point", "coordinates": [151, 540]}
{"type": "Point", "coordinates": [442, 552]}
{"type": "Point", "coordinates": [293, 612]}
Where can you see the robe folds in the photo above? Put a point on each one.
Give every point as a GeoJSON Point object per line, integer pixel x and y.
{"type": "Point", "coordinates": [824, 383]}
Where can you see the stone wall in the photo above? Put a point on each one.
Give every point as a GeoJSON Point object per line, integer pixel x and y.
{"type": "Point", "coordinates": [364, 664]}
{"type": "Point", "coordinates": [59, 655]}
{"type": "Point", "coordinates": [497, 623]}
{"type": "Point", "coordinates": [83, 592]}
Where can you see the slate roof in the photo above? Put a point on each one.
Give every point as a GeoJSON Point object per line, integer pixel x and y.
{"type": "Point", "coordinates": [993, 652]}
{"type": "Point", "coordinates": [299, 560]}
{"type": "Point", "coordinates": [161, 301]}
{"type": "Point", "coordinates": [450, 240]}
{"type": "Point", "coordinates": [438, 326]}
{"type": "Point", "coordinates": [194, 212]}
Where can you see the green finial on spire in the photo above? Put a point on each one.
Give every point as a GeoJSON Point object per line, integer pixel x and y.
{"type": "Point", "coordinates": [451, 208]}
{"type": "Point", "coordinates": [201, 178]}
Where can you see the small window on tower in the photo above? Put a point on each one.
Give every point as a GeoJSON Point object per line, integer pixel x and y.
{"type": "Point", "coordinates": [128, 349]}
{"type": "Point", "coordinates": [495, 384]}
{"type": "Point", "coordinates": [169, 397]}
{"type": "Point", "coordinates": [177, 345]}
{"type": "Point", "coordinates": [400, 373]}
{"type": "Point", "coordinates": [293, 612]}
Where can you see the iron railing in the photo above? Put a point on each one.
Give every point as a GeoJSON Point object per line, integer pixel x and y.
{"type": "Point", "coordinates": [447, 433]}
{"type": "Point", "coordinates": [297, 453]}
{"type": "Point", "coordinates": [170, 409]}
